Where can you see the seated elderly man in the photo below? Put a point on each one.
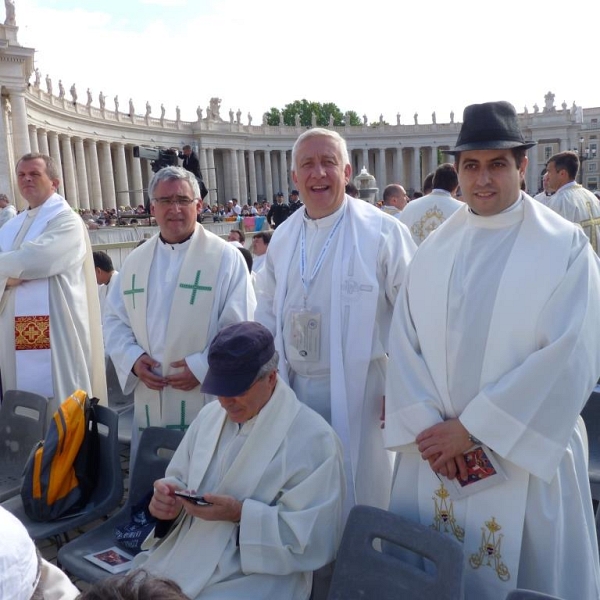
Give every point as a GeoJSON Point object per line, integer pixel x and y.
{"type": "Point", "coordinates": [270, 474]}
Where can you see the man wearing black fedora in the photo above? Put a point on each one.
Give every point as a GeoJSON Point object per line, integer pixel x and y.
{"type": "Point", "coordinates": [494, 350]}
{"type": "Point", "coordinates": [271, 479]}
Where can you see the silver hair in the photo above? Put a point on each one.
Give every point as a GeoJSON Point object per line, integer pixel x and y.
{"type": "Point", "coordinates": [322, 132]}
{"type": "Point", "coordinates": [268, 367]}
{"type": "Point", "coordinates": [171, 174]}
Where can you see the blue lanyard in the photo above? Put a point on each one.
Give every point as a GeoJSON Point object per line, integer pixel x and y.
{"type": "Point", "coordinates": [321, 258]}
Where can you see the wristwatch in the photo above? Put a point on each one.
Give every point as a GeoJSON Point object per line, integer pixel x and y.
{"type": "Point", "coordinates": [474, 440]}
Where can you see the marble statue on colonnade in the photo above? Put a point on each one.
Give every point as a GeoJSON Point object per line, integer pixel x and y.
{"type": "Point", "coordinates": [11, 19]}
{"type": "Point", "coordinates": [213, 110]}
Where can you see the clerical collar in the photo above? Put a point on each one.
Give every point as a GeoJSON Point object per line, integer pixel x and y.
{"type": "Point", "coordinates": [509, 216]}
{"type": "Point", "coordinates": [329, 219]}
{"type": "Point", "coordinates": [173, 244]}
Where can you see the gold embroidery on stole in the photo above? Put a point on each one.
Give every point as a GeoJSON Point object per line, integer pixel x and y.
{"type": "Point", "coordinates": [489, 554]}
{"type": "Point", "coordinates": [32, 333]}
{"type": "Point", "coordinates": [443, 520]}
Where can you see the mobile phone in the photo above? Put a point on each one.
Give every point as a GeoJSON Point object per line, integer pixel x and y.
{"type": "Point", "coordinates": [186, 495]}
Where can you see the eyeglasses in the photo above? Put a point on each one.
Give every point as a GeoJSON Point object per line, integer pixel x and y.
{"type": "Point", "coordinates": [181, 201]}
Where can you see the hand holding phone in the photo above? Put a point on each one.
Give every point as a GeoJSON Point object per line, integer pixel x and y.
{"type": "Point", "coordinates": [192, 497]}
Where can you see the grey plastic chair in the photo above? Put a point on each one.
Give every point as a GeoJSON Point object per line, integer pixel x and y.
{"type": "Point", "coordinates": [155, 450]}
{"type": "Point", "coordinates": [529, 595]}
{"type": "Point", "coordinates": [362, 572]}
{"type": "Point", "coordinates": [105, 498]}
{"type": "Point", "coordinates": [22, 426]}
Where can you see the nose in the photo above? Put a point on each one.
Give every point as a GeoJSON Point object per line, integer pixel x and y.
{"type": "Point", "coordinates": [483, 176]}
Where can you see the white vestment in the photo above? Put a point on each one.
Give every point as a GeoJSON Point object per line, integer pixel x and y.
{"type": "Point", "coordinates": [498, 325]}
{"type": "Point", "coordinates": [578, 205]}
{"type": "Point", "coordinates": [59, 254]}
{"type": "Point", "coordinates": [285, 464]}
{"type": "Point", "coordinates": [354, 292]}
{"type": "Point", "coordinates": [426, 214]}
{"type": "Point", "coordinates": [160, 309]}
{"type": "Point", "coordinates": [6, 214]}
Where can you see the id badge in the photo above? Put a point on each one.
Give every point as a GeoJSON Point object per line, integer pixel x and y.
{"type": "Point", "coordinates": [305, 335]}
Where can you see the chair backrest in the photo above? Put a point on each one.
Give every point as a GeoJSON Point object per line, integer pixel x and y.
{"type": "Point", "coordinates": [155, 449]}
{"type": "Point", "coordinates": [529, 595]}
{"type": "Point", "coordinates": [22, 425]}
{"type": "Point", "coordinates": [109, 488]}
{"type": "Point", "coordinates": [362, 571]}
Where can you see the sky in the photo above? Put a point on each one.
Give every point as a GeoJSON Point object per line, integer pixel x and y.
{"type": "Point", "coordinates": [376, 57]}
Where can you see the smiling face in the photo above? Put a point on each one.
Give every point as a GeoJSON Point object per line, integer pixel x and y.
{"type": "Point", "coordinates": [320, 175]}
{"type": "Point", "coordinates": [177, 223]}
{"type": "Point", "coordinates": [490, 180]}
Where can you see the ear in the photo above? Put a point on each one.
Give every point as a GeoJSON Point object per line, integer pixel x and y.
{"type": "Point", "coordinates": [347, 172]}
{"type": "Point", "coordinates": [294, 177]}
{"type": "Point", "coordinates": [152, 208]}
{"type": "Point", "coordinates": [523, 166]}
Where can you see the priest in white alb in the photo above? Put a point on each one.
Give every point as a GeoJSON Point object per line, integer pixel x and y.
{"type": "Point", "coordinates": [49, 309]}
{"type": "Point", "coordinates": [570, 199]}
{"type": "Point", "coordinates": [175, 292]}
{"type": "Point", "coordinates": [269, 474]}
{"type": "Point", "coordinates": [494, 350]}
{"type": "Point", "coordinates": [327, 292]}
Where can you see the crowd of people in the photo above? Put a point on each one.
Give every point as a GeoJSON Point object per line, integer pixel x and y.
{"type": "Point", "coordinates": [430, 357]}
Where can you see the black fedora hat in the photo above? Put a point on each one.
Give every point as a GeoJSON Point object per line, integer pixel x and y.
{"type": "Point", "coordinates": [490, 126]}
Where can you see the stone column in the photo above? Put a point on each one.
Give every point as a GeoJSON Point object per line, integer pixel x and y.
{"type": "Point", "coordinates": [107, 180]}
{"type": "Point", "coordinates": [82, 177]}
{"type": "Point", "coordinates": [121, 182]}
{"type": "Point", "coordinates": [235, 176]}
{"type": "Point", "coordinates": [415, 175]}
{"type": "Point", "coordinates": [204, 171]}
{"type": "Point", "coordinates": [283, 174]}
{"type": "Point", "coordinates": [136, 197]}
{"type": "Point", "coordinates": [94, 175]}
{"type": "Point", "coordinates": [275, 179]}
{"type": "Point", "coordinates": [69, 172]}
{"type": "Point", "coordinates": [259, 161]}
{"type": "Point", "coordinates": [252, 177]}
{"type": "Point", "coordinates": [243, 178]}
{"type": "Point", "coordinates": [365, 160]}
{"type": "Point", "coordinates": [433, 159]}
{"type": "Point", "coordinates": [268, 177]}
{"type": "Point", "coordinates": [212, 175]}
{"type": "Point", "coordinates": [20, 129]}
{"type": "Point", "coordinates": [381, 172]}
{"type": "Point", "coordinates": [55, 154]}
{"type": "Point", "coordinates": [399, 167]}
{"type": "Point", "coordinates": [33, 140]}
{"type": "Point", "coordinates": [6, 166]}
{"type": "Point", "coordinates": [42, 136]}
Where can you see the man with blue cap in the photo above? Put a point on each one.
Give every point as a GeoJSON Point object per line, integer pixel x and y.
{"type": "Point", "coordinates": [494, 350]}
{"type": "Point", "coordinates": [270, 476]}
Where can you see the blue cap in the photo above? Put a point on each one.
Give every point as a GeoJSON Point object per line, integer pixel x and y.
{"type": "Point", "coordinates": [235, 357]}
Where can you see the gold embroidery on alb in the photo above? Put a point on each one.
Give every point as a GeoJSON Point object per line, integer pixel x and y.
{"type": "Point", "coordinates": [489, 554]}
{"type": "Point", "coordinates": [429, 222]}
{"type": "Point", "coordinates": [443, 520]}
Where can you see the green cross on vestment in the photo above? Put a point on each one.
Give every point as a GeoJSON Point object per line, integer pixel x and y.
{"type": "Point", "coordinates": [195, 287]}
{"type": "Point", "coordinates": [133, 291]}
{"type": "Point", "coordinates": [181, 426]}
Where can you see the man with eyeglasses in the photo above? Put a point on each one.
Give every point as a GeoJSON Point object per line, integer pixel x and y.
{"type": "Point", "coordinates": [175, 293]}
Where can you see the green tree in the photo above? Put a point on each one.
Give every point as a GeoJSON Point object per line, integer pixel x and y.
{"type": "Point", "coordinates": [305, 109]}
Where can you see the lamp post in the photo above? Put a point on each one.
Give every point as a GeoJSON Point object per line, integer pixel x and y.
{"type": "Point", "coordinates": [583, 155]}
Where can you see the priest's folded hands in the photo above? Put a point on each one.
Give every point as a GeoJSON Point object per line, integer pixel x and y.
{"type": "Point", "coordinates": [443, 446]}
